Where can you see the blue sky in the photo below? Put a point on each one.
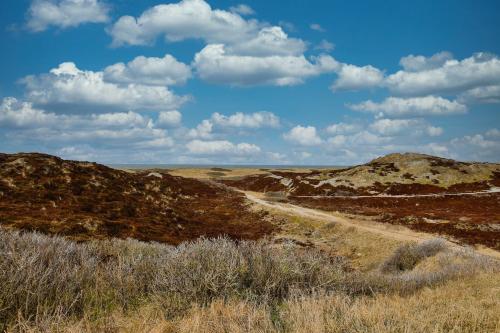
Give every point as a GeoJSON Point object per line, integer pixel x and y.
{"type": "Point", "coordinates": [256, 82]}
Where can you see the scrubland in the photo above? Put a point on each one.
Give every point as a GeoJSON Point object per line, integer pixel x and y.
{"type": "Point", "coordinates": [277, 270]}
{"type": "Point", "coordinates": [51, 284]}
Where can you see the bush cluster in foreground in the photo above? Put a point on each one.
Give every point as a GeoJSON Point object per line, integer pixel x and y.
{"type": "Point", "coordinates": [48, 279]}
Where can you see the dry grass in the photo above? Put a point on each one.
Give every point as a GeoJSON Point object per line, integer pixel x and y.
{"type": "Point", "coordinates": [50, 277]}
{"type": "Point", "coordinates": [460, 306]}
{"type": "Point", "coordinates": [408, 256]}
{"type": "Point", "coordinates": [206, 173]}
{"type": "Point", "coordinates": [50, 284]}
{"type": "Point", "coordinates": [365, 250]}
{"type": "Point", "coordinates": [442, 265]}
{"type": "Point", "coordinates": [474, 308]}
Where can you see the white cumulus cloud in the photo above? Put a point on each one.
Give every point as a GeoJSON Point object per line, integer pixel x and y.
{"type": "Point", "coordinates": [65, 13]}
{"type": "Point", "coordinates": [445, 75]}
{"type": "Point", "coordinates": [416, 106]}
{"type": "Point", "coordinates": [434, 130]}
{"type": "Point", "coordinates": [478, 147]}
{"type": "Point", "coordinates": [242, 9]}
{"type": "Point", "coordinates": [182, 20]}
{"type": "Point", "coordinates": [419, 63]}
{"type": "Point", "coordinates": [493, 133]}
{"type": "Point", "coordinates": [149, 71]}
{"type": "Point", "coordinates": [486, 94]}
{"type": "Point", "coordinates": [203, 130]}
{"type": "Point", "coordinates": [343, 128]}
{"type": "Point", "coordinates": [303, 135]}
{"type": "Point", "coordinates": [242, 120]}
{"type": "Point", "coordinates": [169, 118]}
{"type": "Point", "coordinates": [325, 45]}
{"type": "Point", "coordinates": [15, 113]}
{"type": "Point", "coordinates": [221, 147]}
{"type": "Point", "coordinates": [475, 79]}
{"type": "Point", "coordinates": [268, 41]}
{"type": "Point", "coordinates": [69, 89]}
{"type": "Point", "coordinates": [121, 130]}
{"type": "Point", "coordinates": [214, 65]}
{"type": "Point", "coordinates": [351, 77]}
{"type": "Point", "coordinates": [388, 127]}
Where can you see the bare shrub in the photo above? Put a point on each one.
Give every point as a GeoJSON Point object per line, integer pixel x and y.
{"type": "Point", "coordinates": [407, 256]}
{"type": "Point", "coordinates": [43, 276]}
{"type": "Point", "coordinates": [49, 280]}
{"type": "Point", "coordinates": [212, 269]}
{"type": "Point", "coordinates": [46, 276]}
{"type": "Point", "coordinates": [398, 272]}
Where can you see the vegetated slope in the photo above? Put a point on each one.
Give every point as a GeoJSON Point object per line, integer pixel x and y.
{"type": "Point", "coordinates": [420, 191]}
{"type": "Point", "coordinates": [393, 174]}
{"type": "Point", "coordinates": [85, 200]}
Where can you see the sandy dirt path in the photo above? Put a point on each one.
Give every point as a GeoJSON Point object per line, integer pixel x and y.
{"type": "Point", "coordinates": [432, 195]}
{"type": "Point", "coordinates": [395, 232]}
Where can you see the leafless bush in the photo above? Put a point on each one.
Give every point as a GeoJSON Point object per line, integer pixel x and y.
{"type": "Point", "coordinates": [398, 272]}
{"type": "Point", "coordinates": [49, 279]}
{"type": "Point", "coordinates": [42, 276]}
{"type": "Point", "coordinates": [46, 276]}
{"type": "Point", "coordinates": [221, 269]}
{"type": "Point", "coordinates": [407, 256]}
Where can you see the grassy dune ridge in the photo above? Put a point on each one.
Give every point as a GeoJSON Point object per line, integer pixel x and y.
{"type": "Point", "coordinates": [218, 285]}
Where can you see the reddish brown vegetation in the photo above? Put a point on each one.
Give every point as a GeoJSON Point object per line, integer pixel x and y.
{"type": "Point", "coordinates": [257, 183]}
{"type": "Point", "coordinates": [88, 200]}
{"type": "Point", "coordinates": [467, 218]}
{"type": "Point", "coordinates": [266, 183]}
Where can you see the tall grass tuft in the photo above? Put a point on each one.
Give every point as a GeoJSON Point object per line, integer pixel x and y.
{"type": "Point", "coordinates": [407, 256]}
{"type": "Point", "coordinates": [401, 272]}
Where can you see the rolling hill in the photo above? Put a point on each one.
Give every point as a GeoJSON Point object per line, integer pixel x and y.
{"type": "Point", "coordinates": [394, 174]}
{"type": "Point", "coordinates": [425, 193]}
{"type": "Point", "coordinates": [85, 200]}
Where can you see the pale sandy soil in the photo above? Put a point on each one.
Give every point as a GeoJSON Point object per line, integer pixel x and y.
{"type": "Point", "coordinates": [393, 232]}
{"type": "Point", "coordinates": [208, 173]}
{"type": "Point", "coordinates": [382, 232]}
{"type": "Point", "coordinates": [365, 225]}
{"type": "Point", "coordinates": [222, 172]}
